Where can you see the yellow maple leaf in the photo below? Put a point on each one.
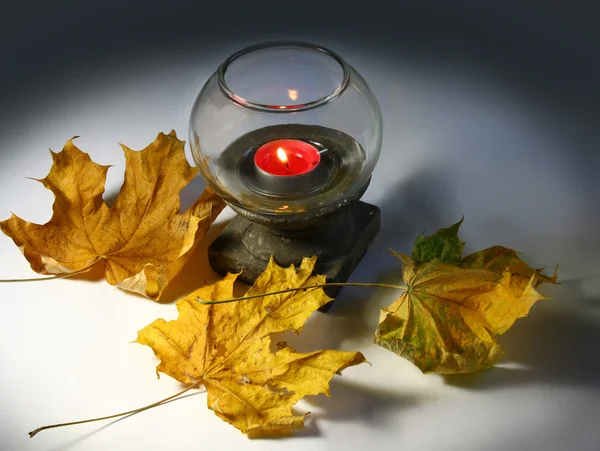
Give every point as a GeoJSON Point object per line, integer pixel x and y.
{"type": "Point", "coordinates": [142, 239]}
{"type": "Point", "coordinates": [227, 348]}
{"type": "Point", "coordinates": [448, 319]}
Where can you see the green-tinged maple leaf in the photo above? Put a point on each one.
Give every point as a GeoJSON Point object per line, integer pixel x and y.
{"type": "Point", "coordinates": [443, 245]}
{"type": "Point", "coordinates": [448, 319]}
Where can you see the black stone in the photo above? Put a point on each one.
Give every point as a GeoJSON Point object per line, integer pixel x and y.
{"type": "Point", "coordinates": [339, 240]}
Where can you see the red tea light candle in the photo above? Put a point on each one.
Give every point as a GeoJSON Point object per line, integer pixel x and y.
{"type": "Point", "coordinates": [286, 166]}
{"type": "Point", "coordinates": [286, 157]}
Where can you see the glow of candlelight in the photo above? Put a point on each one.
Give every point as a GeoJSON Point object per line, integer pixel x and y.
{"type": "Point", "coordinates": [293, 94]}
{"type": "Point", "coordinates": [283, 157]}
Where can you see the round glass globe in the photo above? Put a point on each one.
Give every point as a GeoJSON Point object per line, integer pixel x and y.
{"type": "Point", "coordinates": [286, 91]}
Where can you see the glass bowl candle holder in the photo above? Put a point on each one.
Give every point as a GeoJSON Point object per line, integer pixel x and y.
{"type": "Point", "coordinates": [288, 134]}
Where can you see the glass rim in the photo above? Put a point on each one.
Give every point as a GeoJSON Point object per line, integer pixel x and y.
{"type": "Point", "coordinates": [222, 70]}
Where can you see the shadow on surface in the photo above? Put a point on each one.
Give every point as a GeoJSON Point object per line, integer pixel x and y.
{"type": "Point", "coordinates": [421, 204]}
{"type": "Point", "coordinates": [311, 429]}
{"type": "Point", "coordinates": [361, 403]}
{"type": "Point", "coordinates": [557, 344]}
{"type": "Point", "coordinates": [96, 274]}
{"type": "Point", "coordinates": [191, 192]}
{"type": "Point", "coordinates": [110, 197]}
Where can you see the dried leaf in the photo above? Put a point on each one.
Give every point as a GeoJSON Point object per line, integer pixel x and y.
{"type": "Point", "coordinates": [498, 259]}
{"type": "Point", "coordinates": [443, 245]}
{"type": "Point", "coordinates": [143, 240]}
{"type": "Point", "coordinates": [227, 347]}
{"type": "Point", "coordinates": [448, 319]}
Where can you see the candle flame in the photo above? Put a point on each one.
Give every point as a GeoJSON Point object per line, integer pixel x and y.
{"type": "Point", "coordinates": [293, 93]}
{"type": "Point", "coordinates": [282, 155]}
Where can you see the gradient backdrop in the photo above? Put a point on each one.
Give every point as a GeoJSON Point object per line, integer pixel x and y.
{"type": "Point", "coordinates": [491, 111]}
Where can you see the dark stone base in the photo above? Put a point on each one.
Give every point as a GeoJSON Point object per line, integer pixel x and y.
{"type": "Point", "coordinates": [339, 241]}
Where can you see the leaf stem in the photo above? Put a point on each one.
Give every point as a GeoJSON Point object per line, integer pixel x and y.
{"type": "Point", "coordinates": [272, 293]}
{"type": "Point", "coordinates": [130, 412]}
{"type": "Point", "coordinates": [54, 276]}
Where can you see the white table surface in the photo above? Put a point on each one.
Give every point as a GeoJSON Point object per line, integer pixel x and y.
{"type": "Point", "coordinates": [459, 140]}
